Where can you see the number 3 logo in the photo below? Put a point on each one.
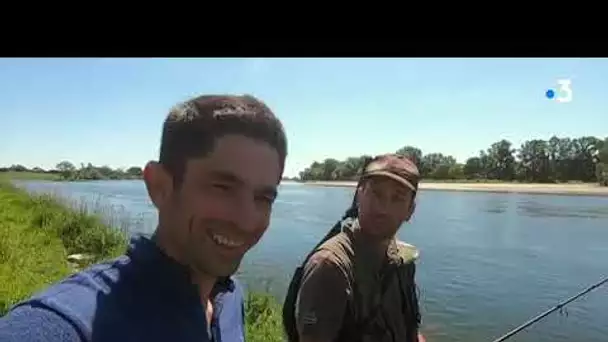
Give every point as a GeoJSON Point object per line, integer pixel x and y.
{"type": "Point", "coordinates": [565, 91]}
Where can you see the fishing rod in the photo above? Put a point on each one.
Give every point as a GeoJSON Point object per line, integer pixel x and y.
{"type": "Point", "coordinates": [553, 309]}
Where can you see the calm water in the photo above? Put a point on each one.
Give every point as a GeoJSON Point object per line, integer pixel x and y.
{"type": "Point", "coordinates": [488, 261]}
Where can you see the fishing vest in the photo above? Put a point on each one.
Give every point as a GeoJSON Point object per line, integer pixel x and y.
{"type": "Point", "coordinates": [382, 306]}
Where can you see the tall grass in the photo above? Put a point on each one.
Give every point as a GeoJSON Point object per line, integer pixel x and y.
{"type": "Point", "coordinates": [39, 231]}
{"type": "Point", "coordinates": [81, 228]}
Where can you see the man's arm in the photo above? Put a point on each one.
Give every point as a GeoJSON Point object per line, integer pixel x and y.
{"type": "Point", "coordinates": [29, 323]}
{"type": "Point", "coordinates": [321, 299]}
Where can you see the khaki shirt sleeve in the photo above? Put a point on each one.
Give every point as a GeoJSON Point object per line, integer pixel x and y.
{"type": "Point", "coordinates": [322, 298]}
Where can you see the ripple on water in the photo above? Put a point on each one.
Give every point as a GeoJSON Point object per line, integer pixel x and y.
{"type": "Point", "coordinates": [540, 209]}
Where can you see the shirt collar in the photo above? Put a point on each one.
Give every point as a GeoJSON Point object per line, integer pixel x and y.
{"type": "Point", "coordinates": [392, 252]}
{"type": "Point", "coordinates": [144, 250]}
{"type": "Point", "coordinates": [223, 284]}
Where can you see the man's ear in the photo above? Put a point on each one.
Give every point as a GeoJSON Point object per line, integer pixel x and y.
{"type": "Point", "coordinates": [360, 187]}
{"type": "Point", "coordinates": [159, 183]}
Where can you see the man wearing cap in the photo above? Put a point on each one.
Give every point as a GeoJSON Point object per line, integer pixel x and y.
{"type": "Point", "coordinates": [359, 284]}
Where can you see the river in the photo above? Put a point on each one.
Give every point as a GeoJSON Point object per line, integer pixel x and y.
{"type": "Point", "coordinates": [488, 262]}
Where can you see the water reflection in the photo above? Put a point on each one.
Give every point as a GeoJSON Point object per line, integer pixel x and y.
{"type": "Point", "coordinates": [534, 208]}
{"type": "Point", "coordinates": [496, 205]}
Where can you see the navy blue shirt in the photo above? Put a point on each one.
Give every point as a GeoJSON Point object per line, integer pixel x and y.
{"type": "Point", "coordinates": [141, 296]}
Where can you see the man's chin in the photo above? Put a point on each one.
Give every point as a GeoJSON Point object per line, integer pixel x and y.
{"type": "Point", "coordinates": [228, 271]}
{"type": "Point", "coordinates": [223, 269]}
{"type": "Point", "coordinates": [379, 237]}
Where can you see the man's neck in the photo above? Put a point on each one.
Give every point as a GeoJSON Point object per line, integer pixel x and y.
{"type": "Point", "coordinates": [203, 281]}
{"type": "Point", "coordinates": [378, 247]}
{"type": "Point", "coordinates": [205, 284]}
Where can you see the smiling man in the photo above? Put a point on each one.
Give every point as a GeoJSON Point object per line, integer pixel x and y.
{"type": "Point", "coordinates": [221, 160]}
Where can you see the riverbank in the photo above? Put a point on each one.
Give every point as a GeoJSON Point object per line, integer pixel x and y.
{"type": "Point", "coordinates": [57, 177]}
{"type": "Point", "coordinates": [28, 175]}
{"type": "Point", "coordinates": [581, 189]}
{"type": "Point", "coordinates": [39, 232]}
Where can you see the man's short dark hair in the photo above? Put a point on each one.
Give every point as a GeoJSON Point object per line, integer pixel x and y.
{"type": "Point", "coordinates": [192, 128]}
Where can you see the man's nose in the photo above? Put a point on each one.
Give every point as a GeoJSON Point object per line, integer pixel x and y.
{"type": "Point", "coordinates": [244, 211]}
{"type": "Point", "coordinates": [381, 204]}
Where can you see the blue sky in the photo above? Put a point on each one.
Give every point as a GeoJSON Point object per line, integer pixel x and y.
{"type": "Point", "coordinates": [110, 111]}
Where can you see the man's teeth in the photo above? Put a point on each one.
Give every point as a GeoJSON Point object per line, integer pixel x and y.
{"type": "Point", "coordinates": [224, 241]}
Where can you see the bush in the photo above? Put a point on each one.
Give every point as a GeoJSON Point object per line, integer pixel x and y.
{"type": "Point", "coordinates": [263, 318]}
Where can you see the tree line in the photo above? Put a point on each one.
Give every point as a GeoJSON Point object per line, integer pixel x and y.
{"type": "Point", "coordinates": [556, 160]}
{"type": "Point", "coordinates": [66, 170]}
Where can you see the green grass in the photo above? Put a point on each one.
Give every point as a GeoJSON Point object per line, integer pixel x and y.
{"type": "Point", "coordinates": [27, 175]}
{"type": "Point", "coordinates": [38, 232]}
{"type": "Point", "coordinates": [263, 321]}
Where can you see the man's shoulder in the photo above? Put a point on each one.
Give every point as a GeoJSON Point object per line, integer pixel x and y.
{"type": "Point", "coordinates": [406, 252]}
{"type": "Point", "coordinates": [76, 298]}
{"type": "Point", "coordinates": [334, 258]}
{"type": "Point", "coordinates": [337, 250]}
{"type": "Point", "coordinates": [239, 290]}
{"type": "Point", "coordinates": [235, 296]}
{"type": "Point", "coordinates": [97, 278]}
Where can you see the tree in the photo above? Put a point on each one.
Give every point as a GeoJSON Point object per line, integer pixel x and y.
{"type": "Point", "coordinates": [66, 169]}
{"type": "Point", "coordinates": [414, 153]}
{"type": "Point", "coordinates": [473, 168]}
{"type": "Point", "coordinates": [437, 166]}
{"type": "Point", "coordinates": [18, 168]}
{"type": "Point", "coordinates": [501, 161]}
{"type": "Point", "coordinates": [534, 160]}
{"type": "Point", "coordinates": [486, 165]}
{"type": "Point", "coordinates": [558, 159]}
{"type": "Point", "coordinates": [590, 147]}
{"type": "Point", "coordinates": [135, 171]}
{"type": "Point", "coordinates": [456, 171]}
{"type": "Point", "coordinates": [601, 159]}
{"type": "Point", "coordinates": [105, 171]}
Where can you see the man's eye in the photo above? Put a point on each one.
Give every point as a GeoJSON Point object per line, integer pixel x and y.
{"type": "Point", "coordinates": [265, 199]}
{"type": "Point", "coordinates": [399, 198]}
{"type": "Point", "coordinates": [221, 186]}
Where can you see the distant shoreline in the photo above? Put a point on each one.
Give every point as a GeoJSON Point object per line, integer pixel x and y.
{"type": "Point", "coordinates": [585, 189]}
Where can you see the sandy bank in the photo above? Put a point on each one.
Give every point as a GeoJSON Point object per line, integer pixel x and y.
{"type": "Point", "coordinates": [552, 189]}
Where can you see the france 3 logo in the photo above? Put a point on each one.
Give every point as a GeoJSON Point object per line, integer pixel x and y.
{"type": "Point", "coordinates": [563, 93]}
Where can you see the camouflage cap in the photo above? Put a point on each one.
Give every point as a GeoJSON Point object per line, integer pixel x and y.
{"type": "Point", "coordinates": [396, 167]}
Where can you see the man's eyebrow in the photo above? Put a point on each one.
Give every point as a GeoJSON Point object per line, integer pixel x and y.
{"type": "Point", "coordinates": [226, 176]}
{"type": "Point", "coordinates": [229, 177]}
{"type": "Point", "coordinates": [403, 191]}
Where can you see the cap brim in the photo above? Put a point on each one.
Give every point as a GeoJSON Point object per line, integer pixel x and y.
{"type": "Point", "coordinates": [392, 176]}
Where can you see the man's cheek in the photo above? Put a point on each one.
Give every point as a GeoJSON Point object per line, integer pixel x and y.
{"type": "Point", "coordinates": [259, 231]}
{"type": "Point", "coordinates": [215, 207]}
